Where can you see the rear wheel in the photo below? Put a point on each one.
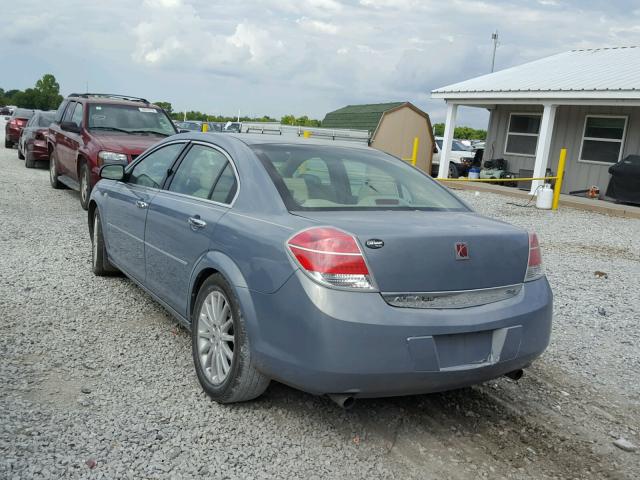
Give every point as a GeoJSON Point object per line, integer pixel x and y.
{"type": "Point", "coordinates": [453, 170]}
{"type": "Point", "coordinates": [53, 171]}
{"type": "Point", "coordinates": [85, 186]}
{"type": "Point", "coordinates": [99, 260]}
{"type": "Point", "coordinates": [220, 345]}
{"type": "Point", "coordinates": [8, 143]}
{"type": "Point", "coordinates": [20, 154]}
{"type": "Point", "coordinates": [29, 162]}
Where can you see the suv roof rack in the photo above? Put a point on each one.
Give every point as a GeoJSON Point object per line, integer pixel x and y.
{"type": "Point", "coordinates": [110, 95]}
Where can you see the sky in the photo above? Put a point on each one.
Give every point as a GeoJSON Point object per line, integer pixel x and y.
{"type": "Point", "coordinates": [304, 57]}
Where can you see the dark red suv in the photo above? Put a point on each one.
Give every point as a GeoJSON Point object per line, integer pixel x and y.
{"type": "Point", "coordinates": [91, 130]}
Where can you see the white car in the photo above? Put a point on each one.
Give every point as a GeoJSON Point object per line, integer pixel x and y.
{"type": "Point", "coordinates": [459, 155]}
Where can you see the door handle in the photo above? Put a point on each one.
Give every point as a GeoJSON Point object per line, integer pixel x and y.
{"type": "Point", "coordinates": [141, 204]}
{"type": "Point", "coordinates": [196, 223]}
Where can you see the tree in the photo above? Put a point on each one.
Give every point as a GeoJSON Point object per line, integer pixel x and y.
{"type": "Point", "coordinates": [288, 120]}
{"type": "Point", "coordinates": [464, 133]}
{"type": "Point", "coordinates": [166, 106]}
{"type": "Point", "coordinates": [47, 93]}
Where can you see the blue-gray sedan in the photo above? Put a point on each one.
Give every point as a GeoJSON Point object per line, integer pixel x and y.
{"type": "Point", "coordinates": [331, 267]}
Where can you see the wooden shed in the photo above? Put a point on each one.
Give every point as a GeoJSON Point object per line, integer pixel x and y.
{"type": "Point", "coordinates": [392, 127]}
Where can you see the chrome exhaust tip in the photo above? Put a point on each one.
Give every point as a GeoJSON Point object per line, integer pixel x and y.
{"type": "Point", "coordinates": [343, 401]}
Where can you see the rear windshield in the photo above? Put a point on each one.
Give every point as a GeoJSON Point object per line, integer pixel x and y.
{"type": "Point", "coordinates": [23, 113]}
{"type": "Point", "coordinates": [129, 119]}
{"type": "Point", "coordinates": [46, 118]}
{"type": "Point", "coordinates": [314, 177]}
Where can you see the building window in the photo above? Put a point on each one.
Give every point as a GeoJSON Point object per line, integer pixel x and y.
{"type": "Point", "coordinates": [522, 134]}
{"type": "Point", "coordinates": [603, 138]}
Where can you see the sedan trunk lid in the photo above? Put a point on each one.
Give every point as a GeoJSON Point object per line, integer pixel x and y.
{"type": "Point", "coordinates": [424, 251]}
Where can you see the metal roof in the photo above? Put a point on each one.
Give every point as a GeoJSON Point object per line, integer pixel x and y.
{"type": "Point", "coordinates": [600, 73]}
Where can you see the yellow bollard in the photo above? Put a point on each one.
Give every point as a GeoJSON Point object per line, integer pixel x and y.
{"type": "Point", "coordinates": [205, 127]}
{"type": "Point", "coordinates": [306, 134]}
{"type": "Point", "coordinates": [560, 175]}
{"type": "Point", "coordinates": [414, 155]}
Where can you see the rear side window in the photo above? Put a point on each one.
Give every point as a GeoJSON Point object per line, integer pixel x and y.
{"type": "Point", "coordinates": [205, 173]}
{"type": "Point", "coordinates": [152, 169]}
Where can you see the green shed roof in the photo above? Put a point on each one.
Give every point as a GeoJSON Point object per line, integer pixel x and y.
{"type": "Point", "coordinates": [358, 117]}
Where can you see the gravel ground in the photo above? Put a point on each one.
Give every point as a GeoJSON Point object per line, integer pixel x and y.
{"type": "Point", "coordinates": [97, 380]}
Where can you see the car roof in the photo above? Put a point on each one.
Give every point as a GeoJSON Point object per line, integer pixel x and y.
{"type": "Point", "coordinates": [111, 100]}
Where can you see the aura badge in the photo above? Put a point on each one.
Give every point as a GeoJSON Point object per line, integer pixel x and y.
{"type": "Point", "coordinates": [374, 243]}
{"type": "Point", "coordinates": [462, 251]}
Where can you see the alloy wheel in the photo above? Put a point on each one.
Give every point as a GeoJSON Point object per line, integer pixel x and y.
{"type": "Point", "coordinates": [84, 187]}
{"type": "Point", "coordinates": [52, 169]}
{"type": "Point", "coordinates": [216, 337]}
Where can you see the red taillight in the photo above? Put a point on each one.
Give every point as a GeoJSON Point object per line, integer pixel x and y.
{"type": "Point", "coordinates": [534, 267]}
{"type": "Point", "coordinates": [40, 135]}
{"type": "Point", "coordinates": [331, 257]}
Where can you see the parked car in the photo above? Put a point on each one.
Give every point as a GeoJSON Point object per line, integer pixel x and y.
{"type": "Point", "coordinates": [191, 125]}
{"type": "Point", "coordinates": [460, 159]}
{"type": "Point", "coordinates": [14, 126]}
{"type": "Point", "coordinates": [334, 268]}
{"type": "Point", "coordinates": [215, 126]}
{"type": "Point", "coordinates": [91, 130]}
{"type": "Point", "coordinates": [5, 111]}
{"type": "Point", "coordinates": [32, 146]}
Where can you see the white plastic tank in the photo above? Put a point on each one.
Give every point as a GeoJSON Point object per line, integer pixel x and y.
{"type": "Point", "coordinates": [545, 197]}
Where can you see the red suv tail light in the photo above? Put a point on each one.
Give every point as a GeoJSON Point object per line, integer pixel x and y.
{"type": "Point", "coordinates": [534, 267]}
{"type": "Point", "coordinates": [331, 257]}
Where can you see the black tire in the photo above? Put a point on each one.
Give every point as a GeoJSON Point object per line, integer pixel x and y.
{"type": "Point", "coordinates": [53, 171]}
{"type": "Point", "coordinates": [453, 170]}
{"type": "Point", "coordinates": [29, 162]}
{"type": "Point", "coordinates": [99, 260]}
{"type": "Point", "coordinates": [85, 186]}
{"type": "Point", "coordinates": [8, 143]}
{"type": "Point", "coordinates": [20, 154]}
{"type": "Point", "coordinates": [243, 381]}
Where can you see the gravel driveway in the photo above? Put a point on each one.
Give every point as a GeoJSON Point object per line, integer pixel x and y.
{"type": "Point", "coordinates": [97, 380]}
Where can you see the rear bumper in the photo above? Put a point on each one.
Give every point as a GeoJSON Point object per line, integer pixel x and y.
{"type": "Point", "coordinates": [38, 150]}
{"type": "Point", "coordinates": [328, 341]}
{"type": "Point", "coordinates": [12, 134]}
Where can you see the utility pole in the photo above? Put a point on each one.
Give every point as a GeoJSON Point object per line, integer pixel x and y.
{"type": "Point", "coordinates": [494, 39]}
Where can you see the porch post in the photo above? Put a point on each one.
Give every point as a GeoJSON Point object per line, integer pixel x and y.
{"type": "Point", "coordinates": [445, 151]}
{"type": "Point", "coordinates": [544, 145]}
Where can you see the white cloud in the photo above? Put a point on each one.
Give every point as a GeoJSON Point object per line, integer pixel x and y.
{"type": "Point", "coordinates": [317, 26]}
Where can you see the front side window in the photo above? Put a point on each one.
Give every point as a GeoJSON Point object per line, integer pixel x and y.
{"type": "Point", "coordinates": [69, 112]}
{"type": "Point", "coordinates": [130, 119]}
{"type": "Point", "coordinates": [77, 115]}
{"type": "Point", "coordinates": [340, 178]}
{"type": "Point", "coordinates": [198, 172]}
{"type": "Point", "coordinates": [45, 119]}
{"type": "Point", "coordinates": [60, 111]}
{"type": "Point", "coordinates": [522, 135]}
{"type": "Point", "coordinates": [152, 169]}
{"type": "Point", "coordinates": [602, 139]}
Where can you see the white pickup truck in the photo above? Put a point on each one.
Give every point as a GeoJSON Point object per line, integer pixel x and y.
{"type": "Point", "coordinates": [459, 154]}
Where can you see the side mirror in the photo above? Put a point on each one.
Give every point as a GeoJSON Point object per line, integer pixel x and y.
{"type": "Point", "coordinates": [112, 172]}
{"type": "Point", "coordinates": [70, 127]}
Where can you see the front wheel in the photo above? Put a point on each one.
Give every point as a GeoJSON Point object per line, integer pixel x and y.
{"type": "Point", "coordinates": [53, 171]}
{"type": "Point", "coordinates": [453, 170]}
{"type": "Point", "coordinates": [220, 345]}
{"type": "Point", "coordinates": [85, 186]}
{"type": "Point", "coordinates": [20, 154]}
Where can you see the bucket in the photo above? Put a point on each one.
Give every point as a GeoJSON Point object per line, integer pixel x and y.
{"type": "Point", "coordinates": [474, 172]}
{"type": "Point", "coordinates": [545, 197]}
